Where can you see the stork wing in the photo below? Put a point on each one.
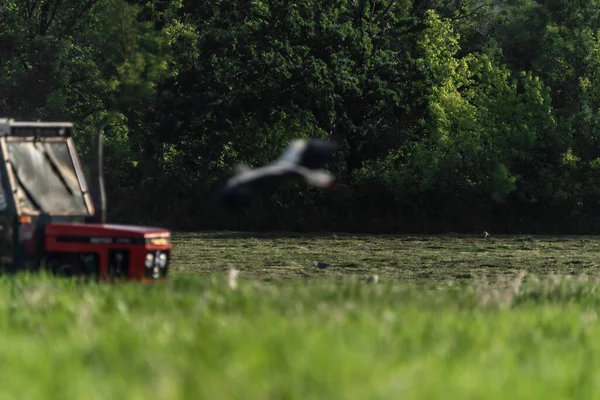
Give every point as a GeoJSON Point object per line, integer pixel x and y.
{"type": "Point", "coordinates": [317, 152]}
{"type": "Point", "coordinates": [293, 152]}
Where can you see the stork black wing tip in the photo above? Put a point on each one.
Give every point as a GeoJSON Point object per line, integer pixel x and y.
{"type": "Point", "coordinates": [329, 146]}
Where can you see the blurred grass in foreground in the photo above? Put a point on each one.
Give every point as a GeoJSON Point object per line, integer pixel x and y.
{"type": "Point", "coordinates": [518, 335]}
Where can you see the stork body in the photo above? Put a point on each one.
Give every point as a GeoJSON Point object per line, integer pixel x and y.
{"type": "Point", "coordinates": [301, 161]}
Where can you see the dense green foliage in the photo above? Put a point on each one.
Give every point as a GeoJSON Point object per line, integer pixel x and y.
{"type": "Point", "coordinates": [453, 115]}
{"type": "Point", "coordinates": [199, 336]}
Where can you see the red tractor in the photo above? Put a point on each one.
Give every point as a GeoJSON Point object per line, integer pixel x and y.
{"type": "Point", "coordinates": [49, 219]}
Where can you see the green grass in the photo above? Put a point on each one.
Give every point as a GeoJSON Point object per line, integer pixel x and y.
{"type": "Point", "coordinates": [392, 258]}
{"type": "Point", "coordinates": [450, 318]}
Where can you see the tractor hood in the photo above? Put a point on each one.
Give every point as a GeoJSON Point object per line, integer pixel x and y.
{"type": "Point", "coordinates": [108, 233]}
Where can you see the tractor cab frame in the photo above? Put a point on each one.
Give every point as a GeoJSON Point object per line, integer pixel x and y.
{"type": "Point", "coordinates": [49, 218]}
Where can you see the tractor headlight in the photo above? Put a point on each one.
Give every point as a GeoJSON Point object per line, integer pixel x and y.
{"type": "Point", "coordinates": [161, 260]}
{"type": "Point", "coordinates": [149, 260]}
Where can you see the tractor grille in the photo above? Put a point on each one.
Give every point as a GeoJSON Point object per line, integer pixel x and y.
{"type": "Point", "coordinates": [118, 263]}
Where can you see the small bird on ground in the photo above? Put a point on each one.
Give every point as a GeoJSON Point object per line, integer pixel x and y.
{"type": "Point", "coordinates": [302, 160]}
{"type": "Point", "coordinates": [321, 264]}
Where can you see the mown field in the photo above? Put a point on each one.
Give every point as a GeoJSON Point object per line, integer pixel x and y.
{"type": "Point", "coordinates": [448, 318]}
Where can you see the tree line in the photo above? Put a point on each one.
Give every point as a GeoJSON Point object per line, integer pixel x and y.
{"type": "Point", "coordinates": [453, 115]}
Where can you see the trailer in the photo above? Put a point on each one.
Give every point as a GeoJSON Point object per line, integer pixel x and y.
{"type": "Point", "coordinates": [50, 218]}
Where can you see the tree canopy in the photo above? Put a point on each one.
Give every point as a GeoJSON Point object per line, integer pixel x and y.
{"type": "Point", "coordinates": [453, 115]}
